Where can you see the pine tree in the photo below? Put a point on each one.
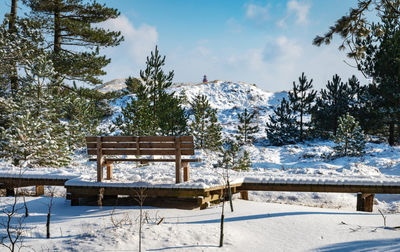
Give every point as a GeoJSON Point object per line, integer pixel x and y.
{"type": "Point", "coordinates": [17, 49]}
{"type": "Point", "coordinates": [204, 126]}
{"type": "Point", "coordinates": [282, 126]}
{"type": "Point", "coordinates": [132, 84]}
{"type": "Point", "coordinates": [332, 103]}
{"type": "Point", "coordinates": [35, 135]}
{"type": "Point", "coordinates": [156, 83]}
{"type": "Point", "coordinates": [301, 98]}
{"type": "Point", "coordinates": [70, 25]}
{"type": "Point", "coordinates": [244, 161]}
{"type": "Point", "coordinates": [135, 119]}
{"type": "Point", "coordinates": [382, 64]}
{"type": "Point", "coordinates": [154, 111]}
{"type": "Point", "coordinates": [200, 108]}
{"type": "Point", "coordinates": [213, 140]}
{"type": "Point", "coordinates": [247, 127]}
{"type": "Point", "coordinates": [350, 138]}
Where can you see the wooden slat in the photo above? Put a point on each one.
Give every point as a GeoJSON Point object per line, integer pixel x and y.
{"type": "Point", "coordinates": [133, 145]}
{"type": "Point", "coordinates": [142, 138]}
{"type": "Point", "coordinates": [142, 152]}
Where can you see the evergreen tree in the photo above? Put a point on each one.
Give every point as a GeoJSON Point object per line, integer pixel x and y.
{"type": "Point", "coordinates": [213, 140]}
{"type": "Point", "coordinates": [132, 84]}
{"type": "Point", "coordinates": [156, 82]}
{"type": "Point", "coordinates": [17, 49]}
{"type": "Point", "coordinates": [301, 98]}
{"type": "Point", "coordinates": [154, 111]}
{"type": "Point", "coordinates": [382, 64]}
{"type": "Point", "coordinates": [135, 119]}
{"type": "Point", "coordinates": [204, 126]}
{"type": "Point", "coordinates": [35, 135]}
{"type": "Point", "coordinates": [74, 37]}
{"type": "Point", "coordinates": [282, 126]}
{"type": "Point", "coordinates": [332, 103]}
{"type": "Point", "coordinates": [247, 127]}
{"type": "Point", "coordinates": [350, 139]}
{"type": "Point", "coordinates": [244, 161]}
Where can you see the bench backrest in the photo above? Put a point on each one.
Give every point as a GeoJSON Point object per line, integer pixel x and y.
{"type": "Point", "coordinates": [144, 145]}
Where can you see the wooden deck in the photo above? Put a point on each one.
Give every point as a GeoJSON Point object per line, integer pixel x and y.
{"type": "Point", "coordinates": [186, 195]}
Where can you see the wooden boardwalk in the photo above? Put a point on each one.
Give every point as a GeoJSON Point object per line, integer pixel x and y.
{"type": "Point", "coordinates": [186, 195]}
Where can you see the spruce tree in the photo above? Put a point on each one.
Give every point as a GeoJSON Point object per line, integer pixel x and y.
{"type": "Point", "coordinates": [282, 126]}
{"type": "Point", "coordinates": [350, 139]}
{"type": "Point", "coordinates": [301, 98]}
{"type": "Point", "coordinates": [247, 127]}
{"type": "Point", "coordinates": [74, 36]}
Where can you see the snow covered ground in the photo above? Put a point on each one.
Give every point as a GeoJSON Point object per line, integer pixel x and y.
{"type": "Point", "coordinates": [270, 221]}
{"type": "Point", "coordinates": [253, 226]}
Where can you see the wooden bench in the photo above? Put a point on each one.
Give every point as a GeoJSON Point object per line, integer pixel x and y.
{"type": "Point", "coordinates": [106, 148]}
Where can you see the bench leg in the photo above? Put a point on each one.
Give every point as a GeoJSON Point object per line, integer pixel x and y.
{"type": "Point", "coordinates": [39, 190]}
{"type": "Point", "coordinates": [109, 171]}
{"type": "Point", "coordinates": [185, 171]}
{"type": "Point", "coordinates": [244, 195]}
{"type": "Point", "coordinates": [100, 197]}
{"type": "Point", "coordinates": [365, 202]}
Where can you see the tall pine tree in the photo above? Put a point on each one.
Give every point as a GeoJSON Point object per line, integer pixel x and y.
{"type": "Point", "coordinates": [74, 36]}
{"type": "Point", "coordinates": [301, 98]}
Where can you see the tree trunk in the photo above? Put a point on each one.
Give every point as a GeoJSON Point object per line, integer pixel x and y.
{"type": "Point", "coordinates": [12, 29]}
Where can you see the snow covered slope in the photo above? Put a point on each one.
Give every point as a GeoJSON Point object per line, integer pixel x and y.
{"type": "Point", "coordinates": [229, 98]}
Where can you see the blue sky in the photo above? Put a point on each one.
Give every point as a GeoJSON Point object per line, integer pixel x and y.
{"type": "Point", "coordinates": [268, 43]}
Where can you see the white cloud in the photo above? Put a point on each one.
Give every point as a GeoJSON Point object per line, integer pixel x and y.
{"type": "Point", "coordinates": [257, 12]}
{"type": "Point", "coordinates": [300, 9]}
{"type": "Point", "coordinates": [139, 41]}
{"type": "Point", "coordinates": [297, 8]}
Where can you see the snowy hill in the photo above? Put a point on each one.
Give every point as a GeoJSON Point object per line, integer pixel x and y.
{"type": "Point", "coordinates": [229, 98]}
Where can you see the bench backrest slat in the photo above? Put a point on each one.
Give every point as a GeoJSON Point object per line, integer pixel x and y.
{"type": "Point", "coordinates": [148, 145]}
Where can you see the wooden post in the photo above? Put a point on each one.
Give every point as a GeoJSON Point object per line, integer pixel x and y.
{"type": "Point", "coordinates": [39, 190]}
{"type": "Point", "coordinates": [365, 202]}
{"type": "Point", "coordinates": [109, 171]}
{"type": "Point", "coordinates": [185, 171]}
{"type": "Point", "coordinates": [100, 160]}
{"type": "Point", "coordinates": [178, 161]}
{"type": "Point", "coordinates": [244, 195]}
{"type": "Point", "coordinates": [100, 197]}
{"type": "Point", "coordinates": [10, 192]}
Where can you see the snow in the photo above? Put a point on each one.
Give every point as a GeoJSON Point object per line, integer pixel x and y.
{"type": "Point", "coordinates": [273, 221]}
{"type": "Point", "coordinates": [253, 226]}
